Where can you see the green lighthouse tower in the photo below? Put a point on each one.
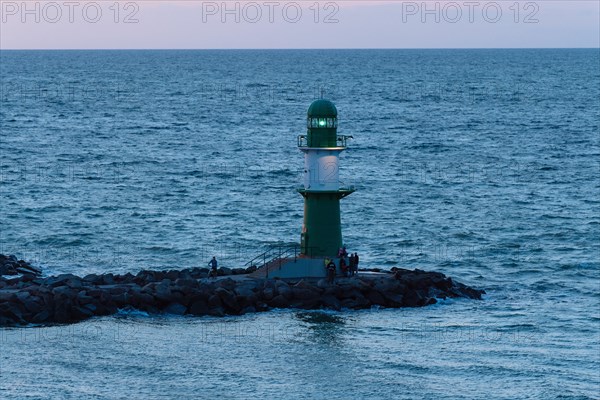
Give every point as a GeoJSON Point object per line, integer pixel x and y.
{"type": "Point", "coordinates": [322, 231]}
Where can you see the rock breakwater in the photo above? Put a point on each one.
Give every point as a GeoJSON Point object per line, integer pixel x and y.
{"type": "Point", "coordinates": [30, 299]}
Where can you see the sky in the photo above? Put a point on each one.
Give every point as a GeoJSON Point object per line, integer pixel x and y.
{"type": "Point", "coordinates": [190, 24]}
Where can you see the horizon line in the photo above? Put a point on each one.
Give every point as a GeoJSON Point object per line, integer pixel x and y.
{"type": "Point", "coordinates": [301, 48]}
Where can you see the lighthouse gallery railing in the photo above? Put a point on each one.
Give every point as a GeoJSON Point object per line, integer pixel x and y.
{"type": "Point", "coordinates": [342, 140]}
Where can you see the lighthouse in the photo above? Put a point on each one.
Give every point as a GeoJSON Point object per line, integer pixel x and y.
{"type": "Point", "coordinates": [322, 230]}
{"type": "Point", "coordinates": [322, 191]}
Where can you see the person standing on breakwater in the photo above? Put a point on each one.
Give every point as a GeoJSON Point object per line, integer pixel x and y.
{"type": "Point", "coordinates": [355, 263]}
{"type": "Point", "coordinates": [213, 267]}
{"type": "Point", "coordinates": [331, 272]}
{"type": "Point", "coordinates": [343, 266]}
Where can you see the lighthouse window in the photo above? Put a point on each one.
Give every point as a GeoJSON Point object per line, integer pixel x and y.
{"type": "Point", "coordinates": [321, 122]}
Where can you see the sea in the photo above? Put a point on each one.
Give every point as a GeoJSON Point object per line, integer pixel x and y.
{"type": "Point", "coordinates": [481, 164]}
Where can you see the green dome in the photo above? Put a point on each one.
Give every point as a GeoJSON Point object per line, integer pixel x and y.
{"type": "Point", "coordinates": [322, 108]}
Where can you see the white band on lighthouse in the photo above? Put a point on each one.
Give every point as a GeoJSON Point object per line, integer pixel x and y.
{"type": "Point", "coordinates": [321, 169]}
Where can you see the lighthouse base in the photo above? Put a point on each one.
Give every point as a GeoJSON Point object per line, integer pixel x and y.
{"type": "Point", "coordinates": [299, 267]}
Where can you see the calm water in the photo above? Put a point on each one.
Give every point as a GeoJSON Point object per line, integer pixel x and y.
{"type": "Point", "coordinates": [482, 164]}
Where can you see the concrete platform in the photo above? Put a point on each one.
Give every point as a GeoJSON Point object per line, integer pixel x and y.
{"type": "Point", "coordinates": [296, 267]}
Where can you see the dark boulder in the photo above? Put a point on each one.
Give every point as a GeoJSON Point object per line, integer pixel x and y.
{"type": "Point", "coordinates": [376, 299]}
{"type": "Point", "coordinates": [186, 283]}
{"type": "Point", "coordinates": [332, 302]}
{"type": "Point", "coordinates": [268, 293]}
{"type": "Point", "coordinates": [217, 312]}
{"type": "Point", "coordinates": [122, 300]}
{"type": "Point", "coordinates": [393, 299]}
{"type": "Point", "coordinates": [93, 279]}
{"type": "Point", "coordinates": [309, 304]}
{"type": "Point", "coordinates": [140, 298]}
{"type": "Point", "coordinates": [246, 289]}
{"type": "Point", "coordinates": [214, 301]}
{"type": "Point", "coordinates": [81, 313]}
{"type": "Point", "coordinates": [172, 275]}
{"type": "Point", "coordinates": [199, 307]}
{"type": "Point", "coordinates": [278, 301]}
{"type": "Point", "coordinates": [9, 265]}
{"type": "Point", "coordinates": [92, 307]}
{"type": "Point", "coordinates": [163, 293]}
{"type": "Point", "coordinates": [261, 306]}
{"type": "Point", "coordinates": [413, 298]}
{"type": "Point", "coordinates": [13, 312]}
{"type": "Point", "coordinates": [63, 280]}
{"type": "Point", "coordinates": [62, 312]}
{"type": "Point", "coordinates": [285, 291]}
{"type": "Point", "coordinates": [248, 310]}
{"type": "Point", "coordinates": [176, 309]}
{"type": "Point", "coordinates": [229, 299]}
{"type": "Point", "coordinates": [358, 301]}
{"type": "Point", "coordinates": [304, 294]}
{"type": "Point", "coordinates": [42, 317]}
{"type": "Point", "coordinates": [334, 290]}
{"type": "Point", "coordinates": [227, 283]}
{"type": "Point", "coordinates": [108, 279]}
{"type": "Point", "coordinates": [65, 291]}
{"type": "Point", "coordinates": [28, 277]}
{"type": "Point", "coordinates": [32, 304]}
{"type": "Point", "coordinates": [199, 273]}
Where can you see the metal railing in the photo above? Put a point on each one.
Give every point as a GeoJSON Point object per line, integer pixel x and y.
{"type": "Point", "coordinates": [342, 140]}
{"type": "Point", "coordinates": [347, 187]}
{"type": "Point", "coordinates": [276, 253]}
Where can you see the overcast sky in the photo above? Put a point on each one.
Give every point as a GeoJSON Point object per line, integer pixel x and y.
{"type": "Point", "coordinates": [298, 24]}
